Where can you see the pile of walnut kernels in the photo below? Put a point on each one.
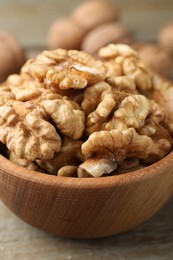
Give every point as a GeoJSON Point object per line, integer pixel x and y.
{"type": "Point", "coordinates": [69, 114]}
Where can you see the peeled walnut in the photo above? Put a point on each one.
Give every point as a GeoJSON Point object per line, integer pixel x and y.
{"type": "Point", "coordinates": [106, 149]}
{"type": "Point", "coordinates": [162, 141]}
{"type": "Point", "coordinates": [122, 84]}
{"type": "Point", "coordinates": [102, 99]}
{"type": "Point", "coordinates": [5, 94]}
{"type": "Point", "coordinates": [156, 57]}
{"type": "Point", "coordinates": [162, 94]}
{"type": "Point", "coordinates": [65, 33]}
{"type": "Point", "coordinates": [25, 130]}
{"type": "Point", "coordinates": [90, 14]}
{"type": "Point", "coordinates": [104, 34]}
{"type": "Point", "coordinates": [132, 112]}
{"type": "Point", "coordinates": [97, 104]}
{"type": "Point", "coordinates": [129, 64]}
{"type": "Point", "coordinates": [165, 37]}
{"type": "Point", "coordinates": [69, 155]}
{"type": "Point", "coordinates": [62, 69]}
{"type": "Point", "coordinates": [67, 171]}
{"type": "Point", "coordinates": [12, 55]}
{"type": "Point", "coordinates": [66, 116]}
{"type": "Point", "coordinates": [24, 163]}
{"type": "Point", "coordinates": [23, 88]}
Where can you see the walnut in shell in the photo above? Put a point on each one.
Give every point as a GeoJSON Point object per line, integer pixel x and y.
{"type": "Point", "coordinates": [104, 34]}
{"type": "Point", "coordinates": [65, 33]}
{"type": "Point", "coordinates": [165, 37]}
{"type": "Point", "coordinates": [156, 57]}
{"type": "Point", "coordinates": [90, 14]}
{"type": "Point", "coordinates": [12, 55]}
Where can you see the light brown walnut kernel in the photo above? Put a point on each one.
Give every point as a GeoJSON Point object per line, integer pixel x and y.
{"type": "Point", "coordinates": [121, 144]}
{"type": "Point", "coordinates": [6, 95]}
{"type": "Point", "coordinates": [132, 112]}
{"type": "Point", "coordinates": [129, 64]}
{"type": "Point", "coordinates": [97, 166]}
{"type": "Point", "coordinates": [157, 112]}
{"type": "Point", "coordinates": [102, 99]}
{"type": "Point", "coordinates": [65, 69]}
{"type": "Point", "coordinates": [122, 83]}
{"type": "Point", "coordinates": [162, 94]}
{"type": "Point", "coordinates": [66, 116]}
{"type": "Point", "coordinates": [112, 51]}
{"type": "Point", "coordinates": [67, 171]}
{"type": "Point", "coordinates": [25, 130]}
{"type": "Point", "coordinates": [70, 154]}
{"type": "Point", "coordinates": [97, 103]}
{"type": "Point", "coordinates": [139, 72]}
{"type": "Point", "coordinates": [24, 163]}
{"type": "Point", "coordinates": [24, 88]}
{"type": "Point", "coordinates": [162, 141]}
{"type": "Point", "coordinates": [114, 69]}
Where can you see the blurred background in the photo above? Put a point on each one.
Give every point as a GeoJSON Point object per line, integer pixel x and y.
{"type": "Point", "coordinates": [51, 24]}
{"type": "Point", "coordinates": [88, 26]}
{"type": "Point", "coordinates": [30, 20]}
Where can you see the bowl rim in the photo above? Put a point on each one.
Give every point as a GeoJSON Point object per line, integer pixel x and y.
{"type": "Point", "coordinates": [12, 169]}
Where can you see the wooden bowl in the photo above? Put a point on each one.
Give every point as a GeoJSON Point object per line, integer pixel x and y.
{"type": "Point", "coordinates": [86, 208]}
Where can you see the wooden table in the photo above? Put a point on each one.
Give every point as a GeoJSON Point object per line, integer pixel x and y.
{"type": "Point", "coordinates": [152, 241]}
{"type": "Point", "coordinates": [29, 20]}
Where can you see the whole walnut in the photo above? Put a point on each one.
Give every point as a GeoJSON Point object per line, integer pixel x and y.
{"type": "Point", "coordinates": [104, 34]}
{"type": "Point", "coordinates": [165, 37]}
{"type": "Point", "coordinates": [156, 57]}
{"type": "Point", "coordinates": [12, 55]}
{"type": "Point", "coordinates": [93, 13]}
{"type": "Point", "coordinates": [65, 33]}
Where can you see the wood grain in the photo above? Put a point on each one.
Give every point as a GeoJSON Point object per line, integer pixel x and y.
{"type": "Point", "coordinates": [152, 240]}
{"type": "Point", "coordinates": [86, 207]}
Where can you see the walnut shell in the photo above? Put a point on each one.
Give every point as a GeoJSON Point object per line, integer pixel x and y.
{"type": "Point", "coordinates": [165, 37]}
{"type": "Point", "coordinates": [65, 33]}
{"type": "Point", "coordinates": [93, 13]}
{"type": "Point", "coordinates": [12, 55]}
{"type": "Point", "coordinates": [157, 58]}
{"type": "Point", "coordinates": [104, 34]}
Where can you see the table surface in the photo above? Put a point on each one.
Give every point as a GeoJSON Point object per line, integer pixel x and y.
{"type": "Point", "coordinates": [151, 240]}
{"type": "Point", "coordinates": [18, 240]}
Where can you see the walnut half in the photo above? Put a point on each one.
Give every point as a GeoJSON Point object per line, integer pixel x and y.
{"type": "Point", "coordinates": [113, 147]}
